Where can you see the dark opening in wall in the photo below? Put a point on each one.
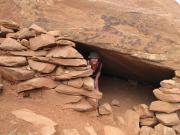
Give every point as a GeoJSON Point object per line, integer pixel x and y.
{"type": "Point", "coordinates": [127, 67]}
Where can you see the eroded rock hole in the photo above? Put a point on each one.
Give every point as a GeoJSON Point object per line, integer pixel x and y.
{"type": "Point", "coordinates": [128, 79]}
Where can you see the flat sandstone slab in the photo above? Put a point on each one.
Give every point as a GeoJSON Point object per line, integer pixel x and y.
{"type": "Point", "coordinates": [11, 61]}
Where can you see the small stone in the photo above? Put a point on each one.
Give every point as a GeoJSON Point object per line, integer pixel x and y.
{"type": "Point", "coordinates": [54, 33]}
{"type": "Point", "coordinates": [77, 83]}
{"type": "Point", "coordinates": [163, 130]}
{"type": "Point", "coordinates": [41, 67]}
{"type": "Point", "coordinates": [168, 119]}
{"type": "Point", "coordinates": [174, 98]}
{"type": "Point", "coordinates": [9, 24]}
{"type": "Point", "coordinates": [111, 130]}
{"type": "Point", "coordinates": [25, 43]}
{"type": "Point", "coordinates": [41, 41]}
{"type": "Point", "coordinates": [4, 31]}
{"type": "Point", "coordinates": [88, 83]}
{"type": "Point", "coordinates": [64, 52]}
{"type": "Point", "coordinates": [11, 61]}
{"type": "Point", "coordinates": [37, 29]}
{"type": "Point", "coordinates": [168, 84]}
{"type": "Point", "coordinates": [12, 35]}
{"type": "Point", "coordinates": [105, 109]}
{"type": "Point", "coordinates": [10, 44]}
{"type": "Point", "coordinates": [90, 130]}
{"type": "Point", "coordinates": [143, 111]}
{"type": "Point", "coordinates": [25, 33]}
{"type": "Point", "coordinates": [70, 132]}
{"type": "Point", "coordinates": [63, 42]}
{"type": "Point", "coordinates": [148, 121]}
{"type": "Point", "coordinates": [177, 73]}
{"type": "Point", "coordinates": [161, 106]}
{"type": "Point", "coordinates": [115, 102]}
{"type": "Point", "coordinates": [132, 120]}
{"type": "Point", "coordinates": [146, 130]}
{"type": "Point", "coordinates": [60, 70]}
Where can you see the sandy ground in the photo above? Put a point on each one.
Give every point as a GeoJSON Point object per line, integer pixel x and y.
{"type": "Point", "coordinates": [49, 104]}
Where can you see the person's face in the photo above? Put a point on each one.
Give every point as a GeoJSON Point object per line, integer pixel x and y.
{"type": "Point", "coordinates": [94, 60]}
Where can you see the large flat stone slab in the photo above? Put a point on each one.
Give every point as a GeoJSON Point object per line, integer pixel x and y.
{"type": "Point", "coordinates": [64, 52]}
{"type": "Point", "coordinates": [35, 83]}
{"type": "Point", "coordinates": [63, 62]}
{"type": "Point", "coordinates": [12, 61]}
{"type": "Point", "coordinates": [16, 74]}
{"type": "Point", "coordinates": [10, 44]}
{"type": "Point", "coordinates": [75, 91]}
{"type": "Point", "coordinates": [29, 53]}
{"type": "Point", "coordinates": [166, 107]}
{"type": "Point", "coordinates": [41, 67]}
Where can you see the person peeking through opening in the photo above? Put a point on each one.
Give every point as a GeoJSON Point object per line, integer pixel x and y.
{"type": "Point", "coordinates": [96, 66]}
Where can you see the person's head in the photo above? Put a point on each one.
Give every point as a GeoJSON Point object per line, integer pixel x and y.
{"type": "Point", "coordinates": [93, 57]}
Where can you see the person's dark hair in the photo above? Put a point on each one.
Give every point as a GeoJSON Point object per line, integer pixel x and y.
{"type": "Point", "coordinates": [93, 55]}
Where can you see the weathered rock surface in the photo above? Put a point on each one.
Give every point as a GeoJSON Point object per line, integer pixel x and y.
{"type": "Point", "coordinates": [115, 102]}
{"type": "Point", "coordinates": [169, 84]}
{"type": "Point", "coordinates": [11, 45]}
{"type": "Point", "coordinates": [11, 61]}
{"type": "Point", "coordinates": [177, 73]}
{"type": "Point", "coordinates": [37, 29]}
{"type": "Point", "coordinates": [36, 83]}
{"type": "Point", "coordinates": [132, 119]}
{"type": "Point", "coordinates": [16, 74]}
{"type": "Point", "coordinates": [143, 111]}
{"type": "Point", "coordinates": [146, 130]}
{"type": "Point", "coordinates": [25, 43]}
{"type": "Point", "coordinates": [26, 33]}
{"type": "Point", "coordinates": [171, 91]}
{"type": "Point", "coordinates": [88, 83]}
{"type": "Point", "coordinates": [64, 52]}
{"type": "Point", "coordinates": [77, 83]}
{"type": "Point", "coordinates": [174, 98]}
{"type": "Point", "coordinates": [44, 124]}
{"type": "Point", "coordinates": [148, 121]}
{"type": "Point", "coordinates": [74, 91]}
{"type": "Point", "coordinates": [41, 67]}
{"type": "Point", "coordinates": [54, 33]}
{"type": "Point", "coordinates": [90, 130]}
{"type": "Point", "coordinates": [105, 109]}
{"type": "Point", "coordinates": [9, 24]}
{"type": "Point", "coordinates": [70, 132]}
{"type": "Point", "coordinates": [4, 31]}
{"type": "Point", "coordinates": [64, 62]}
{"type": "Point", "coordinates": [111, 130]}
{"type": "Point", "coordinates": [41, 41]}
{"type": "Point", "coordinates": [177, 128]}
{"type": "Point", "coordinates": [62, 42]}
{"type": "Point", "coordinates": [28, 53]}
{"type": "Point", "coordinates": [168, 119]}
{"type": "Point", "coordinates": [161, 106]}
{"type": "Point", "coordinates": [163, 130]}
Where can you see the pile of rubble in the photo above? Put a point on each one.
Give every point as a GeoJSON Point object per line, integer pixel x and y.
{"type": "Point", "coordinates": [33, 59]}
{"type": "Point", "coordinates": [161, 117]}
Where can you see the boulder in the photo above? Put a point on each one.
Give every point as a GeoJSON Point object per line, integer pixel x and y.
{"type": "Point", "coordinates": [177, 73]}
{"type": "Point", "coordinates": [168, 84]}
{"type": "Point", "coordinates": [9, 24]}
{"type": "Point", "coordinates": [70, 132]}
{"type": "Point", "coordinates": [41, 67]}
{"type": "Point", "coordinates": [111, 130]}
{"type": "Point", "coordinates": [174, 98]}
{"type": "Point", "coordinates": [163, 130]}
{"type": "Point", "coordinates": [28, 53]}
{"type": "Point", "coordinates": [88, 83]}
{"type": "Point", "coordinates": [77, 92]}
{"type": "Point", "coordinates": [37, 29]}
{"type": "Point", "coordinates": [63, 42]}
{"type": "Point", "coordinates": [16, 74]}
{"type": "Point", "coordinates": [148, 121]}
{"type": "Point", "coordinates": [63, 62]}
{"type": "Point", "coordinates": [82, 106]}
{"type": "Point", "coordinates": [35, 83]}
{"type": "Point", "coordinates": [45, 125]}
{"type": "Point", "coordinates": [161, 106]}
{"type": "Point", "coordinates": [132, 120]}
{"type": "Point", "coordinates": [143, 111]}
{"type": "Point", "coordinates": [25, 43]}
{"type": "Point", "coordinates": [90, 130]}
{"type": "Point", "coordinates": [10, 44]}
{"type": "Point", "coordinates": [41, 41]}
{"type": "Point", "coordinates": [25, 33]}
{"type": "Point", "coordinates": [73, 74]}
{"type": "Point", "coordinates": [115, 102]}
{"type": "Point", "coordinates": [11, 61]}
{"type": "Point", "coordinates": [171, 91]}
{"type": "Point", "coordinates": [105, 109]}
{"type": "Point", "coordinates": [145, 130]}
{"type": "Point", "coordinates": [168, 119]}
{"type": "Point", "coordinates": [67, 52]}
{"type": "Point", "coordinates": [77, 83]}
{"type": "Point", "coordinates": [54, 33]}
